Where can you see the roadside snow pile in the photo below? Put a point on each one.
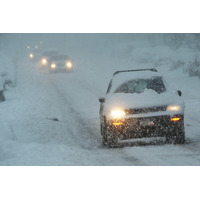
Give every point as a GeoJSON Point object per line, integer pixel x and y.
{"type": "Point", "coordinates": [159, 56]}
{"type": "Point", "coordinates": [7, 70]}
{"type": "Point", "coordinates": [193, 67]}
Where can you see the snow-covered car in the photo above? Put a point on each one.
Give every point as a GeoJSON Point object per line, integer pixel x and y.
{"type": "Point", "coordinates": [60, 63]}
{"type": "Point", "coordinates": [34, 55]}
{"type": "Point", "coordinates": [139, 104]}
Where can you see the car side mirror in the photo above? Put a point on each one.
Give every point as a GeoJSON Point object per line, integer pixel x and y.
{"type": "Point", "coordinates": [179, 92]}
{"type": "Point", "coordinates": [101, 99]}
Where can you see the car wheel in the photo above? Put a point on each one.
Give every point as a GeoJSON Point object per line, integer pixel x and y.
{"type": "Point", "coordinates": [111, 139]}
{"type": "Point", "coordinates": [177, 135]}
{"type": "Point", "coordinates": [180, 137]}
{"type": "Point", "coordinates": [104, 138]}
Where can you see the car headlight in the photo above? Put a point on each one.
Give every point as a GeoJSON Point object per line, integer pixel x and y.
{"type": "Point", "coordinates": [174, 108]}
{"type": "Point", "coordinates": [31, 55]}
{"type": "Point", "coordinates": [53, 65]}
{"type": "Point", "coordinates": [69, 64]}
{"type": "Point", "coordinates": [118, 113]}
{"type": "Point", "coordinates": [44, 61]}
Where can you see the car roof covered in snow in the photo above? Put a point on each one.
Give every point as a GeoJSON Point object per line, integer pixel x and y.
{"type": "Point", "coordinates": [59, 57]}
{"type": "Point", "coordinates": [135, 70]}
{"type": "Point", "coordinates": [127, 75]}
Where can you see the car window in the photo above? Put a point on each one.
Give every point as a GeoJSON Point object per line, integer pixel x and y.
{"type": "Point", "coordinates": [140, 85]}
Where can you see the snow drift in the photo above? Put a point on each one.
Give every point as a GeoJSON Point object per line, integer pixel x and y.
{"type": "Point", "coordinates": [8, 70]}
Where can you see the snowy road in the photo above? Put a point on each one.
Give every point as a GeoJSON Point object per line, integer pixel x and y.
{"type": "Point", "coordinates": [52, 119]}
{"type": "Point", "coordinates": [78, 108]}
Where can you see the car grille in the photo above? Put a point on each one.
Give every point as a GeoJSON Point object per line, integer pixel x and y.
{"type": "Point", "coordinates": [145, 110]}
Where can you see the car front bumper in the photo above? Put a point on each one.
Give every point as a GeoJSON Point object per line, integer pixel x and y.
{"type": "Point", "coordinates": [157, 126]}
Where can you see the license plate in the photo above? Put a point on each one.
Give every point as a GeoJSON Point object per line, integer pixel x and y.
{"type": "Point", "coordinates": [147, 122]}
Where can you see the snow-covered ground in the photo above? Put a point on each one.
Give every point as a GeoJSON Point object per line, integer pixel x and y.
{"type": "Point", "coordinates": [53, 119]}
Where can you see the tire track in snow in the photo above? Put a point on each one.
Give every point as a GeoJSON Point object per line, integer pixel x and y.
{"type": "Point", "coordinates": [85, 134]}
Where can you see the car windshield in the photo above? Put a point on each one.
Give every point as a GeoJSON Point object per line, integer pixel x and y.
{"type": "Point", "coordinates": [57, 58]}
{"type": "Point", "coordinates": [140, 85]}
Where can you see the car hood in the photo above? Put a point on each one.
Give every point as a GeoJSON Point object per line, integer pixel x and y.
{"type": "Point", "coordinates": [144, 100]}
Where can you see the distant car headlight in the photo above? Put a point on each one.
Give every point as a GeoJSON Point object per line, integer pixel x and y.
{"type": "Point", "coordinates": [53, 65]}
{"type": "Point", "coordinates": [31, 55]}
{"type": "Point", "coordinates": [69, 64]}
{"type": "Point", "coordinates": [118, 113]}
{"type": "Point", "coordinates": [44, 61]}
{"type": "Point", "coordinates": [174, 108]}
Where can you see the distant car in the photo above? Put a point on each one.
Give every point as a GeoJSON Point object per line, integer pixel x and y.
{"type": "Point", "coordinates": [45, 57]}
{"type": "Point", "coordinates": [60, 63]}
{"type": "Point", "coordinates": [139, 104]}
{"type": "Point", "coordinates": [34, 55]}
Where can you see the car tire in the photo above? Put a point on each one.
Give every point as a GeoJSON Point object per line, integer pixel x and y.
{"type": "Point", "coordinates": [180, 137]}
{"type": "Point", "coordinates": [104, 138]}
{"type": "Point", "coordinates": [177, 135]}
{"type": "Point", "coordinates": [111, 139]}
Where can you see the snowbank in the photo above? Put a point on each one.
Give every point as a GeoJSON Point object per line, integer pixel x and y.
{"type": "Point", "coordinates": [186, 58]}
{"type": "Point", "coordinates": [7, 70]}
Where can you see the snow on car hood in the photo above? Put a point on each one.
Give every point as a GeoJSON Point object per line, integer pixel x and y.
{"type": "Point", "coordinates": [148, 98]}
